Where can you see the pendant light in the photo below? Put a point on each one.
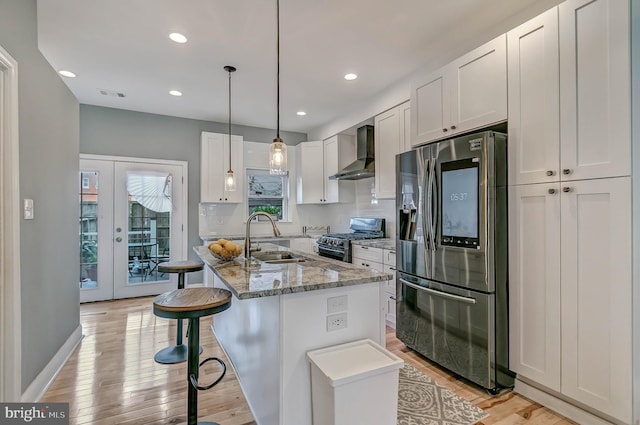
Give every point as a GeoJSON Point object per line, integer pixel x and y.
{"type": "Point", "coordinates": [278, 150]}
{"type": "Point", "coordinates": [229, 181]}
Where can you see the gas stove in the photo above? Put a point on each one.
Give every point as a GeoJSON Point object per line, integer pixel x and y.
{"type": "Point", "coordinates": [338, 245]}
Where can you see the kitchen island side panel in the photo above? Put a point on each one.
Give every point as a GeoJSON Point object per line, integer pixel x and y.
{"type": "Point", "coordinates": [267, 338]}
{"type": "Point", "coordinates": [249, 332]}
{"type": "Point", "coordinates": [303, 322]}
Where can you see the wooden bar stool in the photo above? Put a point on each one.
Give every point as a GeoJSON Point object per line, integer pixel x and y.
{"type": "Point", "coordinates": [192, 304]}
{"type": "Point", "coordinates": [177, 353]}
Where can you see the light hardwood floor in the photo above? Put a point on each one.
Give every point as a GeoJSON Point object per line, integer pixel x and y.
{"type": "Point", "coordinates": [112, 379]}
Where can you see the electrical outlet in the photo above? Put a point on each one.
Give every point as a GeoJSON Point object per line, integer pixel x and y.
{"type": "Point", "coordinates": [336, 304]}
{"type": "Point", "coordinates": [336, 321]}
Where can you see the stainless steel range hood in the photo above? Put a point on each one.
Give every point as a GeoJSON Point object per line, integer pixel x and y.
{"type": "Point", "coordinates": [364, 166]}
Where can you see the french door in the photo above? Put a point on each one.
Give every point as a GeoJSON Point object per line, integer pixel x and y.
{"type": "Point", "coordinates": [132, 216]}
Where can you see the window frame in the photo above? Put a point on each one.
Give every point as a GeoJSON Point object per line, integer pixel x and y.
{"type": "Point", "coordinates": [285, 211]}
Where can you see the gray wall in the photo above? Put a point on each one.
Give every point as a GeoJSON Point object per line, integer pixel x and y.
{"type": "Point", "coordinates": [107, 131]}
{"type": "Point", "coordinates": [48, 151]}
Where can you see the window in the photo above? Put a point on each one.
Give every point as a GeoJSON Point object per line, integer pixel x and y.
{"type": "Point", "coordinates": [267, 193]}
{"type": "Point", "coordinates": [85, 182]}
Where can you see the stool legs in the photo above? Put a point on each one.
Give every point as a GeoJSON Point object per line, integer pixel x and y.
{"type": "Point", "coordinates": [178, 352]}
{"type": "Point", "coordinates": [193, 368]}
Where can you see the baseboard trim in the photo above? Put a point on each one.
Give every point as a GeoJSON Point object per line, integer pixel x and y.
{"type": "Point", "coordinates": [39, 386]}
{"type": "Point", "coordinates": [558, 405]}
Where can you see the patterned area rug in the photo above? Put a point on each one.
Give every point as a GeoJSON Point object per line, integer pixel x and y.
{"type": "Point", "coordinates": [423, 402]}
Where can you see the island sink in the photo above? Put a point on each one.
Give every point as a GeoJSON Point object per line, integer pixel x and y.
{"type": "Point", "coordinates": [277, 257]}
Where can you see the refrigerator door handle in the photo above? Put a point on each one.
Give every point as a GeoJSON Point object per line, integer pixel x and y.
{"type": "Point", "coordinates": [439, 293]}
{"type": "Point", "coordinates": [433, 204]}
{"type": "Point", "coordinates": [426, 207]}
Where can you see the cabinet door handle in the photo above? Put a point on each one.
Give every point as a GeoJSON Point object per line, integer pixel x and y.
{"type": "Point", "coordinates": [392, 298]}
{"type": "Point", "coordinates": [566, 189]}
{"type": "Point", "coordinates": [225, 199]}
{"type": "Point", "coordinates": [364, 247]}
{"type": "Point", "coordinates": [221, 199]}
{"type": "Point", "coordinates": [453, 127]}
{"type": "Point", "coordinates": [445, 130]}
{"type": "Point", "coordinates": [566, 171]}
{"type": "Point", "coordinates": [552, 191]}
{"type": "Point", "coordinates": [392, 252]}
{"type": "Point", "coordinates": [392, 268]}
{"type": "Point", "coordinates": [550, 173]}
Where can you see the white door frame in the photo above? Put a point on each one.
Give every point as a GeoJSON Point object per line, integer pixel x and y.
{"type": "Point", "coordinates": [184, 201]}
{"type": "Point", "coordinates": [10, 307]}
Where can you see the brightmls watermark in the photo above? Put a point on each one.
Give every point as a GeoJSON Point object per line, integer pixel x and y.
{"type": "Point", "coordinates": [34, 413]}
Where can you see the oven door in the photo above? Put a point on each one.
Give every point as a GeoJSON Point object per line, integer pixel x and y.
{"type": "Point", "coordinates": [331, 252]}
{"type": "Point", "coordinates": [450, 326]}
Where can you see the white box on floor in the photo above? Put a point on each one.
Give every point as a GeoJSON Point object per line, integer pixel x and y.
{"type": "Point", "coordinates": [354, 383]}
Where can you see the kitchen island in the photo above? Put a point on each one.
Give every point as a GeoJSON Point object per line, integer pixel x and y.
{"type": "Point", "coordinates": [281, 311]}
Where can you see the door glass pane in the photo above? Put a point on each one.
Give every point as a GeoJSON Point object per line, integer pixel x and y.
{"type": "Point", "coordinates": [88, 229]}
{"type": "Point", "coordinates": [149, 225]}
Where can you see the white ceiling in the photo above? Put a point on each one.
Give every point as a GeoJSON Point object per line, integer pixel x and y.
{"type": "Point", "coordinates": [123, 46]}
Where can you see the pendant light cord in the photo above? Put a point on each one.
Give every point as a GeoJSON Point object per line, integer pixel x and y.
{"type": "Point", "coordinates": [278, 72]}
{"type": "Point", "coordinates": [229, 120]}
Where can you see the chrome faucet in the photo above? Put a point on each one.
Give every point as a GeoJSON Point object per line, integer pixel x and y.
{"type": "Point", "coordinates": [247, 234]}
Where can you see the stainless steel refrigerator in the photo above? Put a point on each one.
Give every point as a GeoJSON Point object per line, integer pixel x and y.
{"type": "Point", "coordinates": [451, 199]}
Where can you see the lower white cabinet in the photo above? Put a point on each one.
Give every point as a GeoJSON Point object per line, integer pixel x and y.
{"type": "Point", "coordinates": [570, 290]}
{"type": "Point", "coordinates": [382, 260]}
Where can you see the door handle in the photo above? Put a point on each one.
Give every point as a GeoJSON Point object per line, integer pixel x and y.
{"type": "Point", "coordinates": [118, 239]}
{"type": "Point", "coordinates": [439, 293]}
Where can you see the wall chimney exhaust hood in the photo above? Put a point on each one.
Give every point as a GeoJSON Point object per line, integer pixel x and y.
{"type": "Point", "coordinates": [364, 166]}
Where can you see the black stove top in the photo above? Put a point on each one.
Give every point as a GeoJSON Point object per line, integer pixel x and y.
{"type": "Point", "coordinates": [354, 236]}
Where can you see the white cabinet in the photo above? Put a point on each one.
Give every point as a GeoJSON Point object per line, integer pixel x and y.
{"type": "Point", "coordinates": [316, 162]}
{"type": "Point", "coordinates": [214, 163]}
{"type": "Point", "coordinates": [534, 101]}
{"type": "Point", "coordinates": [596, 295]}
{"type": "Point", "coordinates": [569, 94]}
{"type": "Point", "coordinates": [468, 93]}
{"type": "Point", "coordinates": [595, 89]}
{"type": "Point", "coordinates": [534, 276]}
{"type": "Point", "coordinates": [570, 290]}
{"type": "Point", "coordinates": [390, 134]}
{"type": "Point", "coordinates": [382, 260]}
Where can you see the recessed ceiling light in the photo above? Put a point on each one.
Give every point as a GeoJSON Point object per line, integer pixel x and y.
{"type": "Point", "coordinates": [66, 73]}
{"type": "Point", "coordinates": [175, 93]}
{"type": "Point", "coordinates": [177, 37]}
{"type": "Point", "coordinates": [350, 77]}
{"type": "Point", "coordinates": [301, 113]}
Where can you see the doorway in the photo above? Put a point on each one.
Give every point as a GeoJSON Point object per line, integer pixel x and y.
{"type": "Point", "coordinates": [132, 217]}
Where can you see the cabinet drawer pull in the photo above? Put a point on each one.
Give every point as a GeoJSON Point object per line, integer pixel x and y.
{"type": "Point", "coordinates": [552, 191]}
{"type": "Point", "coordinates": [392, 268]}
{"type": "Point", "coordinates": [364, 247]}
{"type": "Point", "coordinates": [550, 173]}
{"type": "Point", "coordinates": [445, 130]}
{"type": "Point", "coordinates": [566, 189]}
{"type": "Point", "coordinates": [566, 171]}
{"type": "Point", "coordinates": [453, 127]}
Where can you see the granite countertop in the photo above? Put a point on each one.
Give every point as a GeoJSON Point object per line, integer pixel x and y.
{"type": "Point", "coordinates": [377, 243]}
{"type": "Point", "coordinates": [211, 238]}
{"type": "Point", "coordinates": [265, 280]}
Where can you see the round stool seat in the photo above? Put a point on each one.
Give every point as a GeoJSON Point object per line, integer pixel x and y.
{"type": "Point", "coordinates": [192, 304]}
{"type": "Point", "coordinates": [184, 266]}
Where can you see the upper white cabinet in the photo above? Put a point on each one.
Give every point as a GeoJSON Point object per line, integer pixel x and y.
{"type": "Point", "coordinates": [595, 89]}
{"type": "Point", "coordinates": [468, 93]}
{"type": "Point", "coordinates": [534, 101]}
{"type": "Point", "coordinates": [214, 165]}
{"type": "Point", "coordinates": [316, 162]}
{"type": "Point", "coordinates": [569, 94]}
{"type": "Point", "coordinates": [390, 136]}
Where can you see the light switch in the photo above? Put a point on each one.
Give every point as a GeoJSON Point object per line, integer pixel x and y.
{"type": "Point", "coordinates": [28, 209]}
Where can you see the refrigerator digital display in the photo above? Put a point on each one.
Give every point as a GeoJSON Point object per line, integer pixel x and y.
{"type": "Point", "coordinates": [459, 204]}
